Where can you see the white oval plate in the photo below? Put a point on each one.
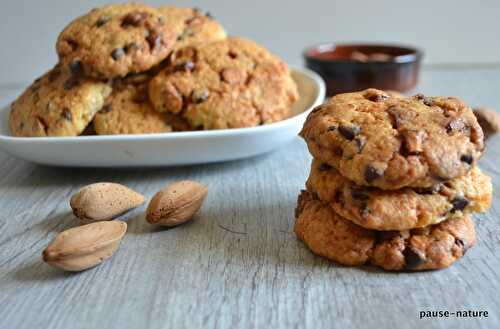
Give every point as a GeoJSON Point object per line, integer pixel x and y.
{"type": "Point", "coordinates": [166, 149]}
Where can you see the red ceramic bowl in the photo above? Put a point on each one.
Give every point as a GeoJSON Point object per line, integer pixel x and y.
{"type": "Point", "coordinates": [353, 67]}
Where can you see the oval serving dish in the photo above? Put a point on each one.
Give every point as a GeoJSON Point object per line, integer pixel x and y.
{"type": "Point", "coordinates": [166, 149]}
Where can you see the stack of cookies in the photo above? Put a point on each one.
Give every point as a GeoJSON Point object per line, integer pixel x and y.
{"type": "Point", "coordinates": [393, 180]}
{"type": "Point", "coordinates": [134, 69]}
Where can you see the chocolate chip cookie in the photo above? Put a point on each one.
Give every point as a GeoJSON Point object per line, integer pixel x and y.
{"type": "Point", "coordinates": [392, 142]}
{"type": "Point", "coordinates": [192, 26]}
{"type": "Point", "coordinates": [231, 83]}
{"type": "Point", "coordinates": [115, 40]}
{"type": "Point", "coordinates": [57, 104]}
{"type": "Point", "coordinates": [403, 209]}
{"type": "Point", "coordinates": [331, 236]}
{"type": "Point", "coordinates": [128, 111]}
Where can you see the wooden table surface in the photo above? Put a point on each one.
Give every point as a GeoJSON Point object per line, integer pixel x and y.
{"type": "Point", "coordinates": [238, 264]}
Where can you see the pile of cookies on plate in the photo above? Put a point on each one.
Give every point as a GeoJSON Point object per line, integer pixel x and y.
{"type": "Point", "coordinates": [133, 68]}
{"type": "Point", "coordinates": [393, 181]}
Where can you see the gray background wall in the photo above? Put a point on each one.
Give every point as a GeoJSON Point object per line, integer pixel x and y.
{"type": "Point", "coordinates": [449, 31]}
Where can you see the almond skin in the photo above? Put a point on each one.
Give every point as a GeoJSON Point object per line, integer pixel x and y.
{"type": "Point", "coordinates": [104, 201]}
{"type": "Point", "coordinates": [489, 120]}
{"type": "Point", "coordinates": [86, 246]}
{"type": "Point", "coordinates": [176, 203]}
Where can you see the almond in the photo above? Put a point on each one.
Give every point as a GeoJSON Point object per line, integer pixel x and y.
{"type": "Point", "coordinates": [489, 120]}
{"type": "Point", "coordinates": [176, 204]}
{"type": "Point", "coordinates": [86, 246]}
{"type": "Point", "coordinates": [104, 201]}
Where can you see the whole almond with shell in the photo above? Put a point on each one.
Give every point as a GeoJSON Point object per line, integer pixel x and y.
{"type": "Point", "coordinates": [85, 246]}
{"type": "Point", "coordinates": [104, 201]}
{"type": "Point", "coordinates": [176, 203]}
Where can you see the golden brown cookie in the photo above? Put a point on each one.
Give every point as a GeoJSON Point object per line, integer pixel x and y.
{"type": "Point", "coordinates": [231, 83]}
{"type": "Point", "coordinates": [402, 209]}
{"type": "Point", "coordinates": [331, 236]}
{"type": "Point", "coordinates": [392, 142]}
{"type": "Point", "coordinates": [115, 40]}
{"type": "Point", "coordinates": [57, 104]}
{"type": "Point", "coordinates": [128, 111]}
{"type": "Point", "coordinates": [192, 26]}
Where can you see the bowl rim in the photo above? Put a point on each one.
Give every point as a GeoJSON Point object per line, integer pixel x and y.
{"type": "Point", "coordinates": [415, 56]}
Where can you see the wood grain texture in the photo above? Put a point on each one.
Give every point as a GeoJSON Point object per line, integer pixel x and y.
{"type": "Point", "coordinates": [238, 264]}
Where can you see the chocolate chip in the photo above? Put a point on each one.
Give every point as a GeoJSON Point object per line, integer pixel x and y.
{"type": "Point", "coordinates": [71, 83]}
{"type": "Point", "coordinates": [199, 96]}
{"type": "Point", "coordinates": [117, 53]}
{"type": "Point", "coordinates": [371, 173]}
{"type": "Point", "coordinates": [459, 204]}
{"type": "Point", "coordinates": [349, 132]}
{"type": "Point", "coordinates": [412, 258]}
{"type": "Point", "coordinates": [360, 143]}
{"type": "Point", "coordinates": [72, 43]}
{"type": "Point", "coordinates": [460, 243]}
{"type": "Point", "coordinates": [101, 21]}
{"type": "Point", "coordinates": [66, 114]}
{"type": "Point", "coordinates": [338, 151]}
{"type": "Point", "coordinates": [338, 197]}
{"type": "Point", "coordinates": [426, 100]}
{"type": "Point", "coordinates": [359, 194]}
{"type": "Point", "coordinates": [324, 167]}
{"type": "Point", "coordinates": [106, 109]}
{"type": "Point", "coordinates": [232, 54]}
{"type": "Point", "coordinates": [467, 158]}
{"type": "Point", "coordinates": [184, 66]}
{"type": "Point", "coordinates": [376, 96]}
{"type": "Point", "coordinates": [332, 128]}
{"type": "Point", "coordinates": [131, 47]}
{"type": "Point", "coordinates": [396, 116]}
{"type": "Point", "coordinates": [209, 15]}
{"type": "Point", "coordinates": [76, 67]}
{"type": "Point", "coordinates": [133, 19]}
{"type": "Point", "coordinates": [154, 40]}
